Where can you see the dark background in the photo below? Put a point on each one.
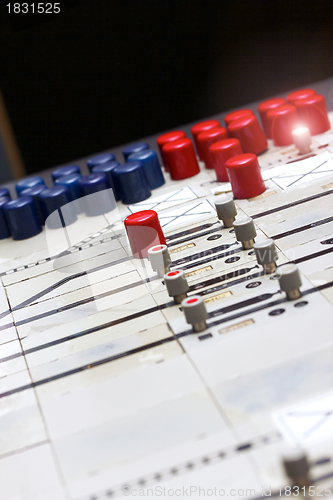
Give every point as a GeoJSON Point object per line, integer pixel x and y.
{"type": "Point", "coordinates": [107, 72]}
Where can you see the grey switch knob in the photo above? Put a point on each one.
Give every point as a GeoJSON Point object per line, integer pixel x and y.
{"type": "Point", "coordinates": [177, 285]}
{"type": "Point", "coordinates": [195, 312]}
{"type": "Point", "coordinates": [296, 466]}
{"type": "Point", "coordinates": [159, 259]}
{"type": "Point", "coordinates": [245, 231]}
{"type": "Point", "coordinates": [266, 254]}
{"type": "Point", "coordinates": [290, 280]}
{"type": "Point", "coordinates": [226, 209]}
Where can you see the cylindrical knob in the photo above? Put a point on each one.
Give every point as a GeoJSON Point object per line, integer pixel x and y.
{"type": "Point", "coordinates": [28, 182]}
{"type": "Point", "coordinates": [290, 280]}
{"type": "Point", "coordinates": [72, 184]}
{"type": "Point", "coordinates": [52, 200]}
{"type": "Point", "coordinates": [206, 139]}
{"type": "Point", "coordinates": [131, 182]}
{"type": "Point", "coordinates": [201, 127]}
{"type": "Point", "coordinates": [284, 120]}
{"type": "Point", "coordinates": [266, 254]}
{"type": "Point", "coordinates": [92, 203]}
{"type": "Point", "coordinates": [152, 167]}
{"type": "Point", "coordinates": [181, 159]}
{"type": "Point", "coordinates": [302, 139]}
{"type": "Point", "coordinates": [177, 285]}
{"type": "Point", "coordinates": [245, 176]}
{"type": "Point", "coordinates": [312, 113]}
{"type": "Point", "coordinates": [222, 151]}
{"type": "Point", "coordinates": [195, 312]}
{"type": "Point", "coordinates": [245, 231]}
{"type": "Point", "coordinates": [107, 169]}
{"type": "Point", "coordinates": [34, 192]}
{"type": "Point", "coordinates": [168, 137]}
{"type": "Point", "coordinates": [100, 160]}
{"type": "Point", "coordinates": [143, 231]}
{"type": "Point", "coordinates": [4, 229]}
{"type": "Point", "coordinates": [263, 109]}
{"type": "Point", "coordinates": [66, 170]}
{"type": "Point", "coordinates": [248, 131]}
{"type": "Point", "coordinates": [134, 148]}
{"type": "Point", "coordinates": [22, 218]}
{"type": "Point", "coordinates": [5, 192]}
{"type": "Point", "coordinates": [297, 467]}
{"type": "Point", "coordinates": [235, 115]}
{"type": "Point", "coordinates": [226, 210]}
{"type": "Point", "coordinates": [159, 259]}
{"type": "Point", "coordinates": [300, 94]}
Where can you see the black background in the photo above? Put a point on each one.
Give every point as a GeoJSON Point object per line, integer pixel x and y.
{"type": "Point", "coordinates": [107, 72]}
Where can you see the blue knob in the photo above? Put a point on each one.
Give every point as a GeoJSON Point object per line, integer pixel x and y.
{"type": "Point", "coordinates": [34, 192]}
{"type": "Point", "coordinates": [107, 169]}
{"type": "Point", "coordinates": [151, 165]}
{"type": "Point", "coordinates": [5, 192]}
{"type": "Point", "coordinates": [134, 148]}
{"type": "Point", "coordinates": [4, 230]}
{"type": "Point", "coordinates": [100, 160]}
{"type": "Point", "coordinates": [22, 218]}
{"type": "Point", "coordinates": [97, 197]}
{"type": "Point", "coordinates": [29, 182]}
{"type": "Point", "coordinates": [52, 200]}
{"type": "Point", "coordinates": [66, 170]}
{"type": "Point", "coordinates": [72, 184]}
{"type": "Point", "coordinates": [131, 182]}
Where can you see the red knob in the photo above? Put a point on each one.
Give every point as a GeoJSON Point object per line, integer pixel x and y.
{"type": "Point", "coordinates": [206, 139]}
{"type": "Point", "coordinates": [234, 115]}
{"type": "Point", "coordinates": [245, 176]}
{"type": "Point", "coordinates": [222, 151]}
{"type": "Point", "coordinates": [168, 137]}
{"type": "Point", "coordinates": [263, 109]}
{"type": "Point", "coordinates": [248, 131]}
{"type": "Point", "coordinates": [201, 127]}
{"type": "Point", "coordinates": [181, 159]}
{"type": "Point", "coordinates": [144, 231]}
{"type": "Point", "coordinates": [284, 120]}
{"type": "Point", "coordinates": [300, 94]}
{"type": "Point", "coordinates": [312, 113]}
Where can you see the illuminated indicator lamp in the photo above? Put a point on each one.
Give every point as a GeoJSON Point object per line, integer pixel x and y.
{"type": "Point", "coordinates": [195, 312]}
{"type": "Point", "coordinates": [177, 285]}
{"type": "Point", "coordinates": [302, 139]}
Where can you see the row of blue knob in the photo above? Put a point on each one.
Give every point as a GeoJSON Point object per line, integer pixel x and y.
{"type": "Point", "coordinates": [23, 218]}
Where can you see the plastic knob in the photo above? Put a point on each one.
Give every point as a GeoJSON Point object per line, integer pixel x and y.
{"type": "Point", "coordinates": [202, 127]}
{"type": "Point", "coordinates": [222, 151]}
{"type": "Point", "coordinates": [29, 182]}
{"type": "Point", "coordinates": [245, 231]}
{"type": "Point", "coordinates": [195, 312]}
{"type": "Point", "coordinates": [131, 182]}
{"type": "Point", "coordinates": [52, 200]}
{"type": "Point", "coordinates": [181, 159]}
{"type": "Point", "coordinates": [302, 139]}
{"type": "Point", "coordinates": [245, 176]}
{"type": "Point", "coordinates": [66, 170]}
{"type": "Point", "coordinates": [284, 120]}
{"type": "Point", "coordinates": [263, 109]}
{"type": "Point", "coordinates": [297, 467]}
{"type": "Point", "coordinates": [290, 280]}
{"type": "Point", "coordinates": [177, 285]}
{"type": "Point", "coordinates": [312, 114]}
{"type": "Point", "coordinates": [22, 218]}
{"type": "Point", "coordinates": [134, 148]}
{"type": "Point", "coordinates": [107, 169]}
{"type": "Point", "coordinates": [300, 94]}
{"type": "Point", "coordinates": [152, 167]}
{"type": "Point", "coordinates": [72, 184]}
{"type": "Point", "coordinates": [96, 204]}
{"type": "Point", "coordinates": [144, 231]}
{"type": "Point", "coordinates": [100, 160]}
{"type": "Point", "coordinates": [5, 192]}
{"type": "Point", "coordinates": [226, 210]}
{"type": "Point", "coordinates": [235, 115]}
{"type": "Point", "coordinates": [248, 131]}
{"type": "Point", "coordinates": [159, 259]}
{"type": "Point", "coordinates": [34, 192]}
{"type": "Point", "coordinates": [206, 139]}
{"type": "Point", "coordinates": [168, 137]}
{"type": "Point", "coordinates": [266, 254]}
{"type": "Point", "coordinates": [4, 229]}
